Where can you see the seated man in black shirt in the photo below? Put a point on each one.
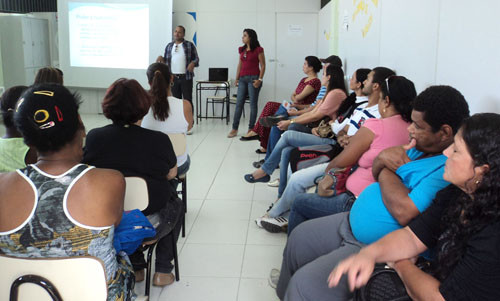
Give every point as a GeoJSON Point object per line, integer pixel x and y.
{"type": "Point", "coordinates": [463, 225]}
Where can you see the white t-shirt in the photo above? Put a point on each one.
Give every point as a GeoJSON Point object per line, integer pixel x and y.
{"type": "Point", "coordinates": [178, 62]}
{"type": "Point", "coordinates": [175, 123]}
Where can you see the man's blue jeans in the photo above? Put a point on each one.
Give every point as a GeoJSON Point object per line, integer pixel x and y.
{"type": "Point", "coordinates": [307, 206]}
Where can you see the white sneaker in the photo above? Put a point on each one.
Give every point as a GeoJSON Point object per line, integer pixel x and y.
{"type": "Point", "coordinates": [274, 277]}
{"type": "Point", "coordinates": [275, 183]}
{"type": "Point", "coordinates": [275, 225]}
{"type": "Point", "coordinates": [259, 219]}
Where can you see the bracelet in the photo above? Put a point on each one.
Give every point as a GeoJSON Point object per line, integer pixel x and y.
{"type": "Point", "coordinates": [260, 79]}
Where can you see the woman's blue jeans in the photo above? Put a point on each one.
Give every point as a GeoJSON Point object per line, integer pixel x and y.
{"type": "Point", "coordinates": [245, 86]}
{"type": "Point", "coordinates": [281, 153]}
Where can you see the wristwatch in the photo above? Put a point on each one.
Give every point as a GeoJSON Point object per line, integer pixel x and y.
{"type": "Point", "coordinates": [292, 121]}
{"type": "Point", "coordinates": [260, 79]}
{"type": "Point", "coordinates": [334, 171]}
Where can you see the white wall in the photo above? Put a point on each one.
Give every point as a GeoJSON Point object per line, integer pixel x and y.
{"type": "Point", "coordinates": [219, 28]}
{"type": "Point", "coordinates": [220, 25]}
{"type": "Point", "coordinates": [452, 42]}
{"type": "Point", "coordinates": [325, 33]}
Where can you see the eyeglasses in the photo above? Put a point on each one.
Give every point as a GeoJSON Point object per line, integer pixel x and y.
{"type": "Point", "coordinates": [176, 48]}
{"type": "Point", "coordinates": [245, 55]}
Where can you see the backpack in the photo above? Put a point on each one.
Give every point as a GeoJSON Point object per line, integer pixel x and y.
{"type": "Point", "coordinates": [306, 156]}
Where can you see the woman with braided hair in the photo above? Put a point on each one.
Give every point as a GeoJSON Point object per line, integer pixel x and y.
{"type": "Point", "coordinates": [59, 207]}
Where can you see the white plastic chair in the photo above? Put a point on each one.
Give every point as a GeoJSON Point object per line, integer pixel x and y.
{"type": "Point", "coordinates": [180, 144]}
{"type": "Point", "coordinates": [69, 278]}
{"type": "Point", "coordinates": [137, 197]}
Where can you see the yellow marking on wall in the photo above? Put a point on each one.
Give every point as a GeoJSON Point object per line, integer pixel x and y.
{"type": "Point", "coordinates": [361, 7]}
{"type": "Point", "coordinates": [367, 26]}
{"type": "Point", "coordinates": [375, 2]}
{"type": "Point", "coordinates": [328, 35]}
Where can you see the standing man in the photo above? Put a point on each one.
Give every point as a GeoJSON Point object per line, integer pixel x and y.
{"type": "Point", "coordinates": [181, 56]}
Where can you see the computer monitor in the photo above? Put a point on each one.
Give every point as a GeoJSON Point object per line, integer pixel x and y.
{"type": "Point", "coordinates": [217, 74]}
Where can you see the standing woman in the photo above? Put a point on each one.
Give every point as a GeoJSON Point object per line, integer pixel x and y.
{"type": "Point", "coordinates": [248, 78]}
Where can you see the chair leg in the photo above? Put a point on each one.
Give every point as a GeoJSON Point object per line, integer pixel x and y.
{"type": "Point", "coordinates": [184, 203]}
{"type": "Point", "coordinates": [184, 225]}
{"type": "Point", "coordinates": [176, 259]}
{"type": "Point", "coordinates": [149, 269]}
{"type": "Point", "coordinates": [206, 109]}
{"type": "Point", "coordinates": [184, 193]}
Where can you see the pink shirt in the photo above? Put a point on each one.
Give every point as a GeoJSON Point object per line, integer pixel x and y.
{"type": "Point", "coordinates": [331, 104]}
{"type": "Point", "coordinates": [250, 61]}
{"type": "Point", "coordinates": [388, 132]}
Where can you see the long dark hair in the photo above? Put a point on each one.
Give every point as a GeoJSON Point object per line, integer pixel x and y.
{"type": "Point", "coordinates": [254, 41]}
{"type": "Point", "coordinates": [470, 213]}
{"type": "Point", "coordinates": [401, 92]}
{"type": "Point", "coordinates": [336, 78]}
{"type": "Point", "coordinates": [159, 80]}
{"type": "Point", "coordinates": [361, 75]}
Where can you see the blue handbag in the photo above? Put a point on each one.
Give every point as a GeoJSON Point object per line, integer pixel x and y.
{"type": "Point", "coordinates": [132, 230]}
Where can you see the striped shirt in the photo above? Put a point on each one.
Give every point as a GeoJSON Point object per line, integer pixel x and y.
{"type": "Point", "coordinates": [320, 96]}
{"type": "Point", "coordinates": [190, 53]}
{"type": "Point", "coordinates": [360, 115]}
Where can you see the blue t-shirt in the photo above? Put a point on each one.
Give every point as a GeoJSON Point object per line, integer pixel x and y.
{"type": "Point", "coordinates": [369, 218]}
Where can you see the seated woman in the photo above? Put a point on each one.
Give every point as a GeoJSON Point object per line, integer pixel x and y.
{"type": "Point", "coordinates": [49, 75]}
{"type": "Point", "coordinates": [59, 207]}
{"type": "Point", "coordinates": [326, 109]}
{"type": "Point", "coordinates": [167, 114]}
{"type": "Point", "coordinates": [462, 226]}
{"type": "Point", "coordinates": [286, 114]}
{"type": "Point", "coordinates": [136, 151]}
{"type": "Point", "coordinates": [305, 94]}
{"type": "Point", "coordinates": [301, 180]}
{"type": "Point", "coordinates": [333, 79]}
{"type": "Point", "coordinates": [374, 136]}
{"type": "Point", "coordinates": [14, 153]}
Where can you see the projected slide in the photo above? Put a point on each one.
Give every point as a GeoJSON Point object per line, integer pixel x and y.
{"type": "Point", "coordinates": [109, 35]}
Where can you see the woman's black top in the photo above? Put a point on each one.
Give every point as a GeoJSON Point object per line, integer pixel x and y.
{"type": "Point", "coordinates": [134, 151]}
{"type": "Point", "coordinates": [477, 275]}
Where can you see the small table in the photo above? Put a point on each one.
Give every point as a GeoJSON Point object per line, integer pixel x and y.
{"type": "Point", "coordinates": [205, 85]}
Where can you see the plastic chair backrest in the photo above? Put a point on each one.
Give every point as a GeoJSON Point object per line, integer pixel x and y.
{"type": "Point", "coordinates": [179, 143]}
{"type": "Point", "coordinates": [75, 278]}
{"type": "Point", "coordinates": [136, 194]}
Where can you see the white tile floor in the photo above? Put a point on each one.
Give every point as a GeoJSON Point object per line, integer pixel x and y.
{"type": "Point", "coordinates": [224, 255]}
